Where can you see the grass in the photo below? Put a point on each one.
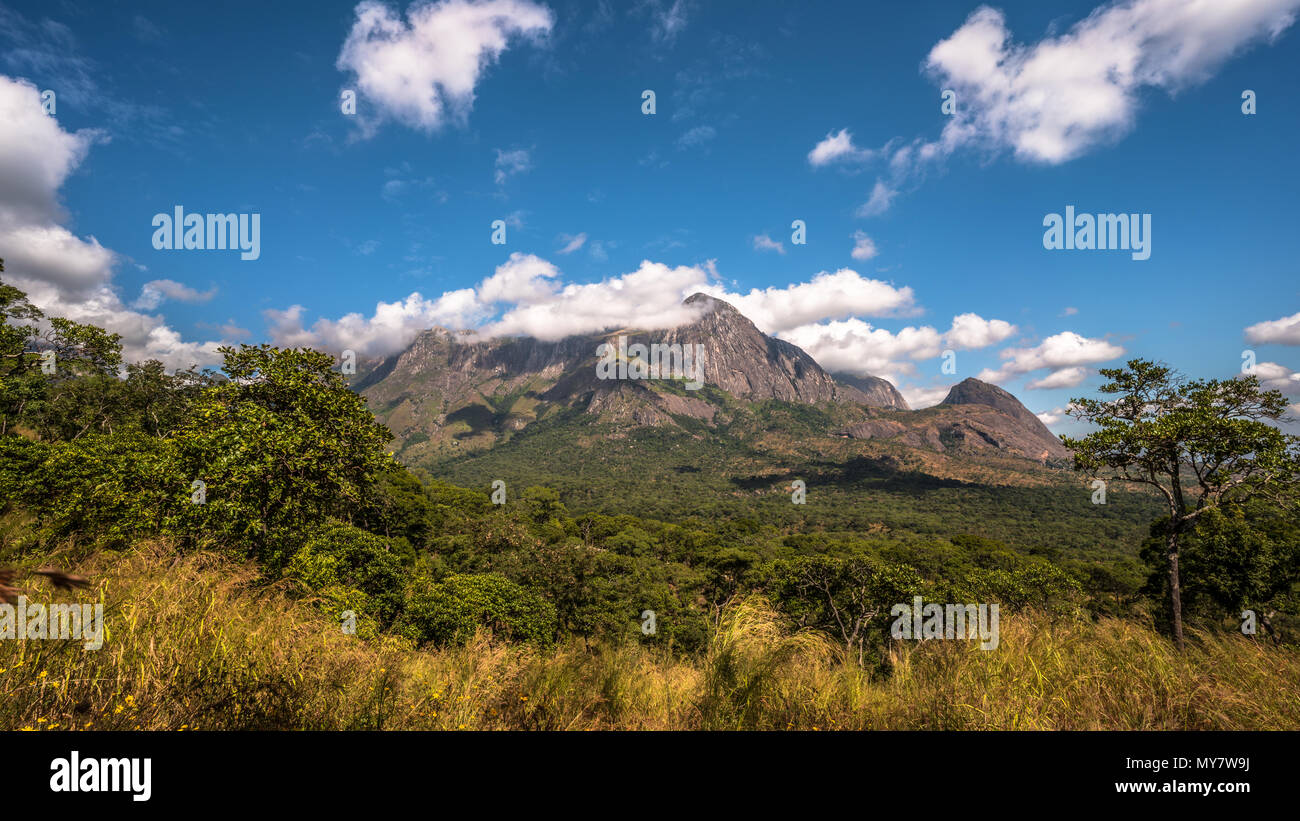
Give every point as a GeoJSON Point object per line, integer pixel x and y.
{"type": "Point", "coordinates": [196, 642]}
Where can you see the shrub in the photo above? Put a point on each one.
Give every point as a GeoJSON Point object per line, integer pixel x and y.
{"type": "Point", "coordinates": [448, 612]}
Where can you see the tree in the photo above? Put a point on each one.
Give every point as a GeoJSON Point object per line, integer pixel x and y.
{"type": "Point", "coordinates": [1200, 443]}
{"type": "Point", "coordinates": [844, 596]}
{"type": "Point", "coordinates": [281, 446]}
{"type": "Point", "coordinates": [1242, 557]}
{"type": "Point", "coordinates": [78, 394]}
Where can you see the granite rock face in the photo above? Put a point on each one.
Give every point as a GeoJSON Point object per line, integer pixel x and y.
{"type": "Point", "coordinates": [451, 390]}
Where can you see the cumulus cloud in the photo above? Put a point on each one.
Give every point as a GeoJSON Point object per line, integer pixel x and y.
{"type": "Point", "coordinates": [1052, 416]}
{"type": "Point", "coordinates": [422, 71]}
{"type": "Point", "coordinates": [1063, 378]}
{"type": "Point", "coordinates": [838, 147]}
{"type": "Point", "coordinates": [65, 274]}
{"type": "Point", "coordinates": [1063, 354]}
{"type": "Point", "coordinates": [970, 331]}
{"type": "Point", "coordinates": [919, 396]}
{"type": "Point", "coordinates": [523, 278]}
{"type": "Point", "coordinates": [1052, 101]}
{"type": "Point", "coordinates": [1285, 331]}
{"type": "Point", "coordinates": [390, 328]}
{"type": "Point", "coordinates": [649, 297]}
{"type": "Point", "coordinates": [864, 247]}
{"type": "Point", "coordinates": [763, 242]}
{"type": "Point", "coordinates": [827, 296]}
{"type": "Point", "coordinates": [526, 295]}
{"type": "Point", "coordinates": [857, 347]}
{"type": "Point", "coordinates": [1278, 377]}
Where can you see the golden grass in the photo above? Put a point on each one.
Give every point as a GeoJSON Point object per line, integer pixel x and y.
{"type": "Point", "coordinates": [195, 643]}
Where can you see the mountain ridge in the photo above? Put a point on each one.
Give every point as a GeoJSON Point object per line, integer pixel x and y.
{"type": "Point", "coordinates": [451, 392]}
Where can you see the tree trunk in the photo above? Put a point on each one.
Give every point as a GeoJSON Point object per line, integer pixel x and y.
{"type": "Point", "coordinates": [1175, 588]}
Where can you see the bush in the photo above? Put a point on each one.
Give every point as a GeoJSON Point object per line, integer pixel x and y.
{"type": "Point", "coordinates": [353, 570]}
{"type": "Point", "coordinates": [448, 612]}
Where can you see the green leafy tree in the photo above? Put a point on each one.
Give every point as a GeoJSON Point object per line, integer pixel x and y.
{"type": "Point", "coordinates": [280, 446]}
{"type": "Point", "coordinates": [105, 488]}
{"type": "Point", "coordinates": [1240, 557]}
{"type": "Point", "coordinates": [1199, 443]}
{"type": "Point", "coordinates": [847, 597]}
{"type": "Point", "coordinates": [85, 360]}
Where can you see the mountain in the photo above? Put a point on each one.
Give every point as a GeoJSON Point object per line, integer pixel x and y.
{"type": "Point", "coordinates": [879, 393]}
{"type": "Point", "coordinates": [451, 393]}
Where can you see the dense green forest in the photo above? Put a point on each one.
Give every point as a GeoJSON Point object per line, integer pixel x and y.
{"type": "Point", "coordinates": [275, 460]}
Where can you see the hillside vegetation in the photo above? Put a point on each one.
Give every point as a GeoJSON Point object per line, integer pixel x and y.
{"type": "Point", "coordinates": [264, 562]}
{"type": "Point", "coordinates": [200, 643]}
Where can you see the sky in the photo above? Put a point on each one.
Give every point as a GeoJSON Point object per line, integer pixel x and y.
{"type": "Point", "coordinates": [870, 181]}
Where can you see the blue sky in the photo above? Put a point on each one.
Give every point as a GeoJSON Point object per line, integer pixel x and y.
{"type": "Point", "coordinates": [377, 224]}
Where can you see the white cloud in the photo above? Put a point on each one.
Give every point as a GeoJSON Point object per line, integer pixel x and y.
{"type": "Point", "coordinates": [864, 247]}
{"type": "Point", "coordinates": [838, 147]}
{"type": "Point", "coordinates": [1052, 101]}
{"type": "Point", "coordinates": [837, 295]}
{"type": "Point", "coordinates": [510, 163]}
{"type": "Point", "coordinates": [1063, 378]}
{"type": "Point", "coordinates": [523, 278]}
{"type": "Point", "coordinates": [882, 196]}
{"type": "Point", "coordinates": [390, 328]}
{"type": "Point", "coordinates": [918, 396]}
{"type": "Point", "coordinates": [422, 71]}
{"type": "Point", "coordinates": [527, 296]}
{"type": "Point", "coordinates": [763, 242]}
{"type": "Point", "coordinates": [649, 297]}
{"type": "Point", "coordinates": [153, 294]}
{"type": "Point", "coordinates": [572, 243]}
{"type": "Point", "coordinates": [1056, 99]}
{"type": "Point", "coordinates": [856, 347]}
{"type": "Point", "coordinates": [1062, 353]}
{"type": "Point", "coordinates": [970, 331]}
{"type": "Point", "coordinates": [1285, 331]}
{"type": "Point", "coordinates": [1070, 311]}
{"type": "Point", "coordinates": [1052, 416]}
{"type": "Point", "coordinates": [65, 274]}
{"type": "Point", "coordinates": [1278, 377]}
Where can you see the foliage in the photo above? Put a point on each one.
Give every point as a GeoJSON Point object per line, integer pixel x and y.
{"type": "Point", "coordinates": [450, 611]}
{"type": "Point", "coordinates": [280, 445]}
{"type": "Point", "coordinates": [1200, 443]}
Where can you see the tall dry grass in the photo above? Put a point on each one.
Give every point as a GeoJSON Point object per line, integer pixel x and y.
{"type": "Point", "coordinates": [195, 643]}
